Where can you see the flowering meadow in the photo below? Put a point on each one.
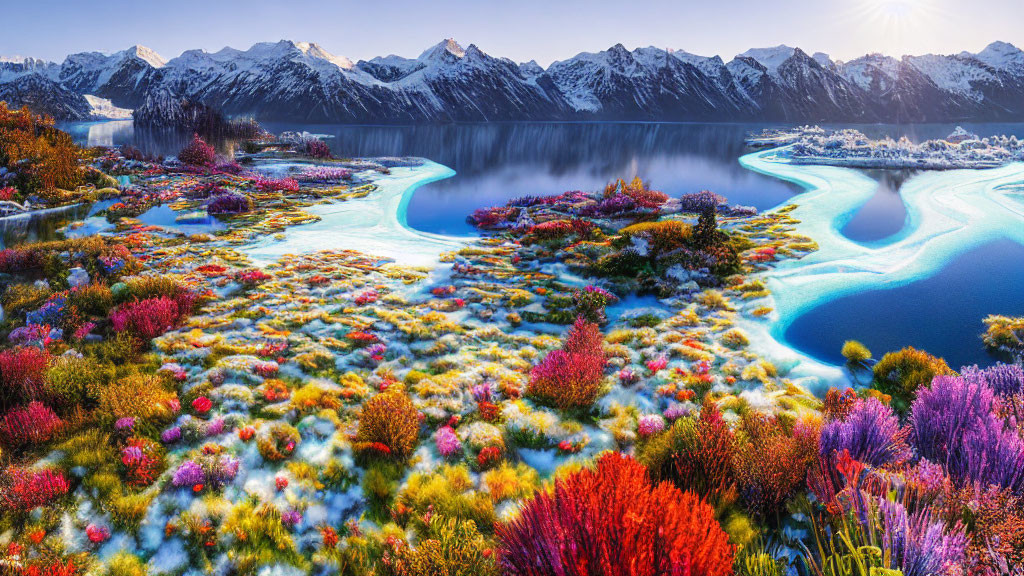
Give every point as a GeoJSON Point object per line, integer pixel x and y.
{"type": "Point", "coordinates": [169, 409]}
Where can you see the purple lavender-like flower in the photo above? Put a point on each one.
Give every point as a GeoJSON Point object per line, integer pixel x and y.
{"type": "Point", "coordinates": [953, 425]}
{"type": "Point", "coordinates": [215, 427]}
{"type": "Point", "coordinates": [376, 351]}
{"type": "Point", "coordinates": [126, 423]}
{"type": "Point", "coordinates": [224, 470]}
{"type": "Point", "coordinates": [1004, 379]}
{"type": "Point", "coordinates": [188, 474]}
{"type": "Point", "coordinates": [447, 441]}
{"type": "Point", "coordinates": [171, 435]}
{"type": "Point", "coordinates": [482, 392]}
{"type": "Point", "coordinates": [700, 201]}
{"type": "Point", "coordinates": [616, 204]}
{"type": "Point", "coordinates": [675, 412]}
{"type": "Point", "coordinates": [291, 518]}
{"type": "Point", "coordinates": [919, 544]}
{"type": "Point", "coordinates": [871, 432]}
{"type": "Point", "coordinates": [229, 203]}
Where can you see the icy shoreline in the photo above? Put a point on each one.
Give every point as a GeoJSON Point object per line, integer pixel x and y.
{"type": "Point", "coordinates": [949, 213]}
{"type": "Point", "coordinates": [376, 224]}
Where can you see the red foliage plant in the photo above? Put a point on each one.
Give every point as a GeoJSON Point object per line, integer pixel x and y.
{"type": "Point", "coordinates": [24, 490]}
{"type": "Point", "coordinates": [146, 319]}
{"type": "Point", "coordinates": [198, 153]}
{"type": "Point", "coordinates": [771, 464]}
{"type": "Point", "coordinates": [54, 568]}
{"type": "Point", "coordinates": [613, 521]}
{"type": "Point", "coordinates": [704, 462]}
{"type": "Point", "coordinates": [570, 378]}
{"type": "Point", "coordinates": [30, 425]}
{"type": "Point", "coordinates": [22, 374]}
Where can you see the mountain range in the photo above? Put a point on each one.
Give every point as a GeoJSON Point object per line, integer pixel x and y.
{"type": "Point", "coordinates": [302, 82]}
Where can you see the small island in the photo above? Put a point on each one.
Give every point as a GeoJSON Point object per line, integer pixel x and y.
{"type": "Point", "coordinates": [850, 148]}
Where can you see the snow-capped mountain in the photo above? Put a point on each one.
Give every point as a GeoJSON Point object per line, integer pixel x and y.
{"type": "Point", "coordinates": [299, 81]}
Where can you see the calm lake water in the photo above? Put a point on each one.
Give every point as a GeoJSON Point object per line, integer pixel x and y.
{"type": "Point", "coordinates": [496, 162]}
{"type": "Point", "coordinates": [942, 314]}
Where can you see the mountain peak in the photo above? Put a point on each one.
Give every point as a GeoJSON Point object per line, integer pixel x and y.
{"type": "Point", "coordinates": [1001, 55]}
{"type": "Point", "coordinates": [770, 58]}
{"type": "Point", "coordinates": [447, 49]}
{"type": "Point", "coordinates": [147, 55]}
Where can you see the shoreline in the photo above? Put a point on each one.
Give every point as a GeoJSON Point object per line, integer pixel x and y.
{"type": "Point", "coordinates": [944, 220]}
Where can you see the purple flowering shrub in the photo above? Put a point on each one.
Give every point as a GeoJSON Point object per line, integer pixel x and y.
{"type": "Point", "coordinates": [953, 424]}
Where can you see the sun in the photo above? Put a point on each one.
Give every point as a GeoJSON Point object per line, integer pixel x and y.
{"type": "Point", "coordinates": [893, 11]}
{"type": "Point", "coordinates": [896, 25]}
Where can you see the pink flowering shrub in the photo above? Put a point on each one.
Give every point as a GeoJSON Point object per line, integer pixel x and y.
{"type": "Point", "coordinates": [22, 371]}
{"type": "Point", "coordinates": [30, 425]}
{"type": "Point", "coordinates": [650, 425]}
{"type": "Point", "coordinates": [22, 489]}
{"type": "Point", "coordinates": [570, 378]}
{"type": "Point", "coordinates": [146, 319]}
{"type": "Point", "coordinates": [264, 184]}
{"type": "Point", "coordinates": [198, 153]}
{"type": "Point", "coordinates": [447, 441]}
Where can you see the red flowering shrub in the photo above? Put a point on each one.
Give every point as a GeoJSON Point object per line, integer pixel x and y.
{"type": "Point", "coordinates": [24, 490]}
{"type": "Point", "coordinates": [488, 457]}
{"type": "Point", "coordinates": [33, 424]}
{"type": "Point", "coordinates": [146, 319]}
{"type": "Point", "coordinates": [198, 153]}
{"type": "Point", "coordinates": [555, 229]}
{"type": "Point", "coordinates": [771, 464]}
{"type": "Point", "coordinates": [54, 568]}
{"type": "Point", "coordinates": [571, 377]}
{"type": "Point", "coordinates": [614, 521]}
{"type": "Point", "coordinates": [696, 454]}
{"type": "Point", "coordinates": [202, 405]}
{"type": "Point", "coordinates": [253, 277]}
{"type": "Point", "coordinates": [142, 460]}
{"type": "Point", "coordinates": [22, 371]}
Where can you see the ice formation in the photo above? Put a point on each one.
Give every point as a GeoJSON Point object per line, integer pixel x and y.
{"type": "Point", "coordinates": [375, 224]}
{"type": "Point", "coordinates": [948, 213]}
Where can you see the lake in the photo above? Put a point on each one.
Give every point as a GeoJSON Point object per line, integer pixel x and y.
{"type": "Point", "coordinates": [497, 162]}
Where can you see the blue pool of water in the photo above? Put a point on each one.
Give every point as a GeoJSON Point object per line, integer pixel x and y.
{"type": "Point", "coordinates": [884, 214]}
{"type": "Point", "coordinates": [942, 314]}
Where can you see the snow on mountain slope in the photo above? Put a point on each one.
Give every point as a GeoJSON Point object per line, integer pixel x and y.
{"type": "Point", "coordinates": [954, 74]}
{"type": "Point", "coordinates": [770, 58]}
{"type": "Point", "coordinates": [104, 109]}
{"type": "Point", "coordinates": [301, 81]}
{"type": "Point", "coordinates": [1001, 56]}
{"type": "Point", "coordinates": [871, 72]}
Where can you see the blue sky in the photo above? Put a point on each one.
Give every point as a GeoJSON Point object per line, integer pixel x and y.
{"type": "Point", "coordinates": [544, 30]}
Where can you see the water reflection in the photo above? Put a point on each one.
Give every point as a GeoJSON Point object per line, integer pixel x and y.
{"type": "Point", "coordinates": [496, 162]}
{"type": "Point", "coordinates": [38, 227]}
{"type": "Point", "coordinates": [884, 214]}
